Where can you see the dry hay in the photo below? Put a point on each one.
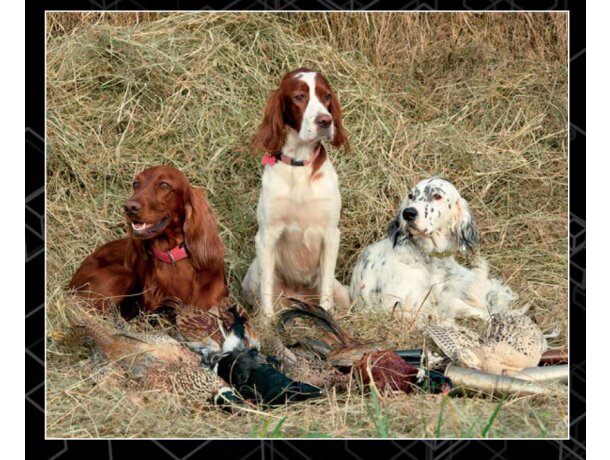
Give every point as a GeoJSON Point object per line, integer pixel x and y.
{"type": "Point", "coordinates": [478, 98]}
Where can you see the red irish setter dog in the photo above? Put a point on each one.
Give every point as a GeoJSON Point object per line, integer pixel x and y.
{"type": "Point", "coordinates": [173, 249]}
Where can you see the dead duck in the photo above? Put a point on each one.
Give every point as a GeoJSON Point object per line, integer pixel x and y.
{"type": "Point", "coordinates": [255, 378]}
{"type": "Point", "coordinates": [254, 375]}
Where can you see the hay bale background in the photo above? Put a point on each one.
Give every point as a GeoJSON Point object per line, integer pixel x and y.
{"type": "Point", "coordinates": [478, 98]}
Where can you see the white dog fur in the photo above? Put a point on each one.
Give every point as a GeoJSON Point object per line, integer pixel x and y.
{"type": "Point", "coordinates": [298, 209]}
{"type": "Point", "coordinates": [403, 272]}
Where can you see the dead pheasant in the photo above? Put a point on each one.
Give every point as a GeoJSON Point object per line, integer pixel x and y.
{"type": "Point", "coordinates": [207, 331]}
{"type": "Point", "coordinates": [337, 347]}
{"type": "Point", "coordinates": [306, 366]}
{"type": "Point", "coordinates": [154, 361]}
{"type": "Point", "coordinates": [370, 362]}
{"type": "Point", "coordinates": [511, 343]}
{"type": "Point", "coordinates": [388, 370]}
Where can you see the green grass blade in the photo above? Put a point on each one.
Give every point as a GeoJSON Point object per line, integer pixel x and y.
{"type": "Point", "coordinates": [439, 423]}
{"type": "Point", "coordinates": [276, 433]}
{"type": "Point", "coordinates": [493, 416]}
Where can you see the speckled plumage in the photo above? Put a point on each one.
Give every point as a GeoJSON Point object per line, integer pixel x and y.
{"type": "Point", "coordinates": [206, 331]}
{"type": "Point", "coordinates": [305, 366]}
{"type": "Point", "coordinates": [195, 384]}
{"type": "Point", "coordinates": [511, 343]}
{"type": "Point", "coordinates": [154, 361]}
{"type": "Point", "coordinates": [319, 357]}
{"type": "Point", "coordinates": [369, 362]}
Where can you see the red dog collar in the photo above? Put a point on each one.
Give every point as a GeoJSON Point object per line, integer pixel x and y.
{"type": "Point", "coordinates": [279, 156]}
{"type": "Point", "coordinates": [173, 255]}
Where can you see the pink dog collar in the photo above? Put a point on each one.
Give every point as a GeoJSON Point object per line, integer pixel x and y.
{"type": "Point", "coordinates": [279, 156]}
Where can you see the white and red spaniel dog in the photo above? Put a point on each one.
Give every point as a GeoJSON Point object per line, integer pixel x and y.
{"type": "Point", "coordinates": [299, 206]}
{"type": "Point", "coordinates": [401, 270]}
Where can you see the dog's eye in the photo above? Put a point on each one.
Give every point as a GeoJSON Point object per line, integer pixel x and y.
{"type": "Point", "coordinates": [135, 184]}
{"type": "Point", "coordinates": [327, 97]}
{"type": "Point", "coordinates": [164, 185]}
{"type": "Point", "coordinates": [436, 196]}
{"type": "Point", "coordinates": [299, 97]}
{"type": "Point", "coordinates": [410, 196]}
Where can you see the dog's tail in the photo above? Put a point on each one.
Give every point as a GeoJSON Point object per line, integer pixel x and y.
{"type": "Point", "coordinates": [491, 294]}
{"type": "Point", "coordinates": [500, 296]}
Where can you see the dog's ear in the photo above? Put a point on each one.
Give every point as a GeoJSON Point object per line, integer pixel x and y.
{"type": "Point", "coordinates": [340, 137]}
{"type": "Point", "coordinates": [394, 231]}
{"type": "Point", "coordinates": [465, 229]}
{"type": "Point", "coordinates": [201, 233]}
{"type": "Point", "coordinates": [271, 133]}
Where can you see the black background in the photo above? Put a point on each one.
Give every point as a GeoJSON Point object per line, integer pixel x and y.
{"type": "Point", "coordinates": [38, 447]}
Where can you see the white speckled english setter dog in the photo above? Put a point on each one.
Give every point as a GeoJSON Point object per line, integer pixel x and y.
{"type": "Point", "coordinates": [402, 270]}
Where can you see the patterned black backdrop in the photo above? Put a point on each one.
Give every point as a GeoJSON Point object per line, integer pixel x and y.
{"type": "Point", "coordinates": [574, 448]}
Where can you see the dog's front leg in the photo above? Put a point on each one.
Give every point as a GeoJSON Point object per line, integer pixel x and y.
{"type": "Point", "coordinates": [328, 261]}
{"type": "Point", "coordinates": [266, 241]}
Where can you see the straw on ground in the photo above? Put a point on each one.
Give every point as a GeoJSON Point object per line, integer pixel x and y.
{"type": "Point", "coordinates": [479, 99]}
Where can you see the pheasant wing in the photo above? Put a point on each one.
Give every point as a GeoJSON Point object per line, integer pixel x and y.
{"type": "Point", "coordinates": [452, 340]}
{"type": "Point", "coordinates": [196, 326]}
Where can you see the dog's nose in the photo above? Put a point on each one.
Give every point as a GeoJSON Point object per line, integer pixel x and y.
{"type": "Point", "coordinates": [323, 121]}
{"type": "Point", "coordinates": [409, 214]}
{"type": "Point", "coordinates": [132, 207]}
